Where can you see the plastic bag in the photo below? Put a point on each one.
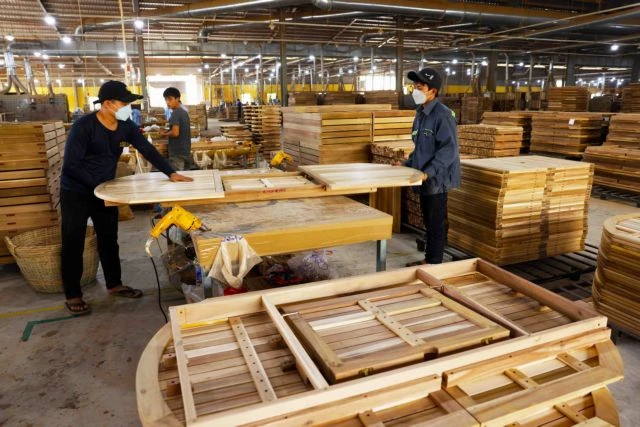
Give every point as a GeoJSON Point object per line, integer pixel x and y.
{"type": "Point", "coordinates": [234, 260]}
{"type": "Point", "coordinates": [312, 266]}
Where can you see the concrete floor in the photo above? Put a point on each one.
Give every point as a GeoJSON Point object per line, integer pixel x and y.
{"type": "Point", "coordinates": [82, 371]}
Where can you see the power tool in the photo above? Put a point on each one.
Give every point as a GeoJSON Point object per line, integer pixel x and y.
{"type": "Point", "coordinates": [179, 217]}
{"type": "Point", "coordinates": [280, 158]}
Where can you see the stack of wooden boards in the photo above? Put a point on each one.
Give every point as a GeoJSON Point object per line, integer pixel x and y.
{"type": "Point", "coordinates": [511, 118]}
{"type": "Point", "coordinates": [490, 140]}
{"type": "Point", "coordinates": [618, 160]}
{"type": "Point", "coordinates": [264, 121]}
{"type": "Point", "coordinates": [631, 98]}
{"type": "Point", "coordinates": [331, 134]}
{"type": "Point", "coordinates": [455, 104]}
{"type": "Point", "coordinates": [389, 200]}
{"type": "Point", "coordinates": [236, 132]}
{"type": "Point", "coordinates": [568, 98]}
{"type": "Point", "coordinates": [460, 344]}
{"type": "Point", "coordinates": [198, 116]}
{"type": "Point", "coordinates": [338, 98]}
{"type": "Point", "coordinates": [303, 98]}
{"type": "Point", "coordinates": [616, 284]}
{"type": "Point", "coordinates": [383, 97]}
{"type": "Point", "coordinates": [473, 107]}
{"type": "Point", "coordinates": [567, 134]}
{"type": "Point", "coordinates": [30, 164]}
{"type": "Point", "coordinates": [516, 209]}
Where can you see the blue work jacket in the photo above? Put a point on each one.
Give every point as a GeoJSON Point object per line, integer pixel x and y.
{"type": "Point", "coordinates": [436, 148]}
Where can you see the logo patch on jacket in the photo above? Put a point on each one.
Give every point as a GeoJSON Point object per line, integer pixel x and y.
{"type": "Point", "coordinates": [124, 144]}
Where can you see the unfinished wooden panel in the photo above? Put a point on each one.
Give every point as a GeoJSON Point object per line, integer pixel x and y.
{"type": "Point", "coordinates": [616, 284]}
{"type": "Point", "coordinates": [361, 334]}
{"type": "Point", "coordinates": [415, 403]}
{"type": "Point", "coordinates": [337, 177]}
{"type": "Point", "coordinates": [526, 385]}
{"type": "Point", "coordinates": [155, 187]}
{"type": "Point", "coordinates": [237, 361]}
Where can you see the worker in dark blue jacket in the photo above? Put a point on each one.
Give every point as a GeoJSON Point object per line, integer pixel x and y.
{"type": "Point", "coordinates": [94, 144]}
{"type": "Point", "coordinates": [437, 155]}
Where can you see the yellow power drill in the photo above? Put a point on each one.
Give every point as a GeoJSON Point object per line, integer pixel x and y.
{"type": "Point", "coordinates": [280, 158]}
{"type": "Point", "coordinates": [179, 217]}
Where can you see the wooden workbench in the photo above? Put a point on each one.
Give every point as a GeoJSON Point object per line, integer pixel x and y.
{"type": "Point", "coordinates": [286, 226]}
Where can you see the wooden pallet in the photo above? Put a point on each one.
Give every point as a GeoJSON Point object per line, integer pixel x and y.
{"type": "Point", "coordinates": [616, 286]}
{"type": "Point", "coordinates": [240, 331]}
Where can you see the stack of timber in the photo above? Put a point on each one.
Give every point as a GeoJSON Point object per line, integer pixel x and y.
{"type": "Point", "coordinates": [618, 160]}
{"type": "Point", "coordinates": [490, 140]}
{"type": "Point", "coordinates": [631, 98]}
{"type": "Point", "coordinates": [473, 107]}
{"type": "Point", "coordinates": [236, 132]}
{"type": "Point", "coordinates": [30, 164]}
{"type": "Point", "coordinates": [567, 134]}
{"type": "Point", "coordinates": [459, 344]}
{"type": "Point", "coordinates": [264, 121]}
{"type": "Point", "coordinates": [512, 118]}
{"type": "Point", "coordinates": [516, 209]}
{"type": "Point", "coordinates": [383, 97]}
{"type": "Point", "coordinates": [616, 284]}
{"type": "Point", "coordinates": [603, 104]}
{"type": "Point", "coordinates": [568, 98]}
{"type": "Point", "coordinates": [329, 134]}
{"type": "Point", "coordinates": [198, 116]}
{"type": "Point", "coordinates": [389, 200]}
{"type": "Point", "coordinates": [393, 125]}
{"type": "Point", "coordinates": [504, 101]}
{"type": "Point", "coordinates": [303, 98]}
{"type": "Point", "coordinates": [338, 98]}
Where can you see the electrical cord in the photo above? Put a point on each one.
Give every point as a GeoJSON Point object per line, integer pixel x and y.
{"type": "Point", "coordinates": [166, 320]}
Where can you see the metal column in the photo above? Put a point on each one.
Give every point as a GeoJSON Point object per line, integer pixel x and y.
{"type": "Point", "coordinates": [571, 71]}
{"type": "Point", "coordinates": [141, 59]}
{"type": "Point", "coordinates": [635, 69]}
{"type": "Point", "coordinates": [492, 71]}
{"type": "Point", "coordinates": [283, 61]}
{"type": "Point", "coordinates": [400, 60]}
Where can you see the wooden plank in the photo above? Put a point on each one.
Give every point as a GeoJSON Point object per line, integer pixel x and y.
{"type": "Point", "coordinates": [181, 361]}
{"type": "Point", "coordinates": [393, 325]}
{"type": "Point", "coordinates": [260, 378]}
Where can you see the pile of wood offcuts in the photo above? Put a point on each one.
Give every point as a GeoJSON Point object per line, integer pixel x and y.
{"type": "Point", "coordinates": [516, 209]}
{"type": "Point", "coordinates": [616, 284]}
{"type": "Point", "coordinates": [490, 140]}
{"type": "Point", "coordinates": [618, 160]}
{"type": "Point", "coordinates": [30, 165]}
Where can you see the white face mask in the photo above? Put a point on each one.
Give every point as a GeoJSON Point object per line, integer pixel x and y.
{"type": "Point", "coordinates": [124, 113]}
{"type": "Point", "coordinates": [419, 97]}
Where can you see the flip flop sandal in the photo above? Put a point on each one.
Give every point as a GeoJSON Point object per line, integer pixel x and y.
{"type": "Point", "coordinates": [127, 292]}
{"type": "Point", "coordinates": [77, 308]}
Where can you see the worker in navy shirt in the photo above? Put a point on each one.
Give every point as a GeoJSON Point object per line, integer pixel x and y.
{"type": "Point", "coordinates": [91, 154]}
{"type": "Point", "coordinates": [437, 155]}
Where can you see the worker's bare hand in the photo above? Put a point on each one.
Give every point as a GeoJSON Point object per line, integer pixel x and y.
{"type": "Point", "coordinates": [425, 176]}
{"type": "Point", "coordinates": [176, 177]}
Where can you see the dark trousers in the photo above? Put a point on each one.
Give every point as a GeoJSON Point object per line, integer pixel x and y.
{"type": "Point", "coordinates": [76, 210]}
{"type": "Point", "coordinates": [434, 214]}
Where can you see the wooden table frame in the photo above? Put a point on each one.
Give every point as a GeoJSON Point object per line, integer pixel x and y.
{"type": "Point", "coordinates": [213, 311]}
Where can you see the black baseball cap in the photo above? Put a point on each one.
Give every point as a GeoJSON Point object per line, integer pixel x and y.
{"type": "Point", "coordinates": [114, 89]}
{"type": "Point", "coordinates": [428, 76]}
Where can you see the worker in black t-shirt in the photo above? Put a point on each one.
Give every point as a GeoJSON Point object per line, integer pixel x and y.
{"type": "Point", "coordinates": [94, 144]}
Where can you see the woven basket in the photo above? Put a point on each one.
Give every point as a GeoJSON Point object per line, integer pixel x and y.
{"type": "Point", "coordinates": [37, 253]}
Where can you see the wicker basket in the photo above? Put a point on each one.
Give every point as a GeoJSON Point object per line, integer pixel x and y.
{"type": "Point", "coordinates": [37, 253]}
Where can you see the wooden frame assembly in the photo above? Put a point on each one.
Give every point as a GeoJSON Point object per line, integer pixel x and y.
{"type": "Point", "coordinates": [575, 353]}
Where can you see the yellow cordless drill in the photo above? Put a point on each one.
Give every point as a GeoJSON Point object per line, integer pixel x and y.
{"type": "Point", "coordinates": [279, 159]}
